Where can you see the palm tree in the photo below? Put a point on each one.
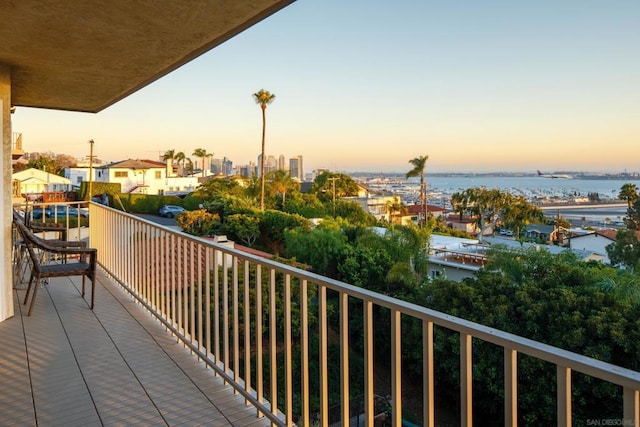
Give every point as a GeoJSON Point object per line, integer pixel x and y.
{"type": "Point", "coordinates": [169, 155]}
{"type": "Point", "coordinates": [418, 170]}
{"type": "Point", "coordinates": [629, 192]}
{"type": "Point", "coordinates": [280, 181]}
{"type": "Point", "coordinates": [395, 206]}
{"type": "Point", "coordinates": [201, 153]}
{"type": "Point", "coordinates": [179, 157]}
{"type": "Point", "coordinates": [263, 98]}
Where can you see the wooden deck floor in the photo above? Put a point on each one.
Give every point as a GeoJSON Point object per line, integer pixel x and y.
{"type": "Point", "coordinates": [67, 365]}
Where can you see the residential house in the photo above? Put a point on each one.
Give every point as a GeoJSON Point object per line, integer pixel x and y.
{"type": "Point", "coordinates": [464, 223]}
{"type": "Point", "coordinates": [596, 242]}
{"type": "Point", "coordinates": [541, 232]}
{"type": "Point", "coordinates": [455, 258]}
{"type": "Point", "coordinates": [144, 177]}
{"type": "Point", "coordinates": [31, 183]}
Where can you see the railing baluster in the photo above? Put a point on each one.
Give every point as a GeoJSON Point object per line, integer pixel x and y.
{"type": "Point", "coordinates": [631, 407]}
{"type": "Point", "coordinates": [180, 281]}
{"type": "Point", "coordinates": [304, 351]}
{"type": "Point", "coordinates": [161, 274]}
{"type": "Point", "coordinates": [247, 329]}
{"type": "Point", "coordinates": [288, 360]}
{"type": "Point", "coordinates": [186, 287]}
{"type": "Point", "coordinates": [200, 259]}
{"type": "Point", "coordinates": [344, 357]}
{"type": "Point", "coordinates": [396, 368]}
{"type": "Point", "coordinates": [510, 387]}
{"type": "Point", "coordinates": [174, 278]}
{"type": "Point", "coordinates": [324, 377]}
{"type": "Point", "coordinates": [225, 312]}
{"type": "Point", "coordinates": [273, 345]}
{"type": "Point", "coordinates": [236, 329]}
{"type": "Point", "coordinates": [564, 396]}
{"type": "Point", "coordinates": [207, 299]}
{"type": "Point", "coordinates": [216, 306]}
{"type": "Point", "coordinates": [369, 383]}
{"type": "Point", "coordinates": [428, 378]}
{"type": "Point", "coordinates": [259, 367]}
{"type": "Point", "coordinates": [193, 262]}
{"type": "Point", "coordinates": [466, 380]}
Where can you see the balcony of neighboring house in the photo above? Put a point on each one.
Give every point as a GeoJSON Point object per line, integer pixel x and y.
{"type": "Point", "coordinates": [16, 146]}
{"type": "Point", "coordinates": [184, 331]}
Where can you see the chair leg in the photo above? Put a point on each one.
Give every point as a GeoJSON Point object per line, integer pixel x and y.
{"type": "Point", "coordinates": [26, 295]}
{"type": "Point", "coordinates": [93, 289]}
{"type": "Point", "coordinates": [33, 298]}
{"type": "Point", "coordinates": [83, 276]}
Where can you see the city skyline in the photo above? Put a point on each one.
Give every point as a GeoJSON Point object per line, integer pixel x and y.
{"type": "Point", "coordinates": [367, 86]}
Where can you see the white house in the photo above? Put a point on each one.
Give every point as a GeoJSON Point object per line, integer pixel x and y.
{"type": "Point", "coordinates": [455, 258]}
{"type": "Point", "coordinates": [34, 181]}
{"type": "Point", "coordinates": [78, 175]}
{"type": "Point", "coordinates": [594, 242]}
{"type": "Point", "coordinates": [144, 177]}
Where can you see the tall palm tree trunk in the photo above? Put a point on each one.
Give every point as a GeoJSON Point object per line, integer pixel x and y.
{"type": "Point", "coordinates": [264, 126]}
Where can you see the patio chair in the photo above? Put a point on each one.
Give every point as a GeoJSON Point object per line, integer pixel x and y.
{"type": "Point", "coordinates": [20, 256]}
{"type": "Point", "coordinates": [78, 261]}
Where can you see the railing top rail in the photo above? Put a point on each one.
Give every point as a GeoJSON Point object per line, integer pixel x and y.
{"type": "Point", "coordinates": [603, 370]}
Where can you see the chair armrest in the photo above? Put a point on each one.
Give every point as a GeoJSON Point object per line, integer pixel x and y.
{"type": "Point", "coordinates": [60, 243]}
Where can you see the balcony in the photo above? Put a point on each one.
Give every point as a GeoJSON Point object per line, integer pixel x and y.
{"type": "Point", "coordinates": [16, 146]}
{"type": "Point", "coordinates": [184, 331]}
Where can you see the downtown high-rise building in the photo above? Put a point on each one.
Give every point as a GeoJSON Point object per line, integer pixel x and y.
{"type": "Point", "coordinates": [295, 168]}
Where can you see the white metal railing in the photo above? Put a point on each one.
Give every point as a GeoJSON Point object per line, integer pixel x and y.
{"type": "Point", "coordinates": [74, 216]}
{"type": "Point", "coordinates": [211, 297]}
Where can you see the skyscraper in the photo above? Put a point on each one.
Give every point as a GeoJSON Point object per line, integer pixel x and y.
{"type": "Point", "coordinates": [295, 168]}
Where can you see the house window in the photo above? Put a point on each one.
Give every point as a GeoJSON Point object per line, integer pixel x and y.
{"type": "Point", "coordinates": [158, 174]}
{"type": "Point", "coordinates": [121, 174]}
{"type": "Point", "coordinates": [435, 273]}
{"type": "Point", "coordinates": [79, 179]}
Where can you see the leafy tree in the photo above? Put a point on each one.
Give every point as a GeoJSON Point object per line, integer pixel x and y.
{"type": "Point", "coordinates": [280, 182]}
{"type": "Point", "coordinates": [518, 213]}
{"type": "Point", "coordinates": [353, 212]}
{"type": "Point", "coordinates": [625, 250]}
{"type": "Point", "coordinates": [492, 207]}
{"type": "Point", "coordinates": [243, 227]}
{"type": "Point", "coordinates": [323, 186]}
{"type": "Point", "coordinates": [273, 226]}
{"type": "Point", "coordinates": [320, 248]}
{"type": "Point", "coordinates": [219, 187]}
{"type": "Point", "coordinates": [198, 222]}
{"type": "Point", "coordinates": [418, 164]}
{"type": "Point", "coordinates": [263, 98]}
{"type": "Point", "coordinates": [306, 205]}
{"type": "Point", "coordinates": [485, 205]}
{"type": "Point", "coordinates": [52, 163]}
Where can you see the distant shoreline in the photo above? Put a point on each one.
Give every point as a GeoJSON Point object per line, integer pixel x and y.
{"type": "Point", "coordinates": [574, 175]}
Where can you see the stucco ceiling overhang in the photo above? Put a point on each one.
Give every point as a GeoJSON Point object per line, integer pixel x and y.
{"type": "Point", "coordinates": [84, 55]}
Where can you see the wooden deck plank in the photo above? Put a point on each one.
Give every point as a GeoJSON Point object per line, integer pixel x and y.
{"type": "Point", "coordinates": [115, 365]}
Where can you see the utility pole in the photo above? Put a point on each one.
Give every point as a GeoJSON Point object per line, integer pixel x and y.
{"type": "Point", "coordinates": [91, 142]}
{"type": "Point", "coordinates": [333, 180]}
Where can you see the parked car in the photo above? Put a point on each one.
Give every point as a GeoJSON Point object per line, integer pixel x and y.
{"type": "Point", "coordinates": [169, 211]}
{"type": "Point", "coordinates": [59, 211]}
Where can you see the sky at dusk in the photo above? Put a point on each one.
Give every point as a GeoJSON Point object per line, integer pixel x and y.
{"type": "Point", "coordinates": [368, 85]}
